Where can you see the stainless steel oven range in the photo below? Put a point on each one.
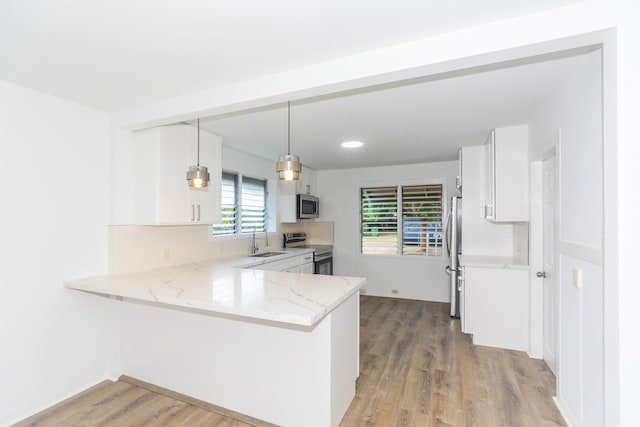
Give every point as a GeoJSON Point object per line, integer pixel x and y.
{"type": "Point", "coordinates": [322, 254]}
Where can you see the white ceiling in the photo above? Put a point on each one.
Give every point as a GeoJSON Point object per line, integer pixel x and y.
{"type": "Point", "coordinates": [120, 54]}
{"type": "Point", "coordinates": [399, 124]}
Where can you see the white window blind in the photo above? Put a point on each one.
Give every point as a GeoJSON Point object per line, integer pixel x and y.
{"type": "Point", "coordinates": [243, 205]}
{"type": "Point", "coordinates": [229, 205]}
{"type": "Point", "coordinates": [422, 220]}
{"type": "Point", "coordinates": [253, 205]}
{"type": "Point", "coordinates": [402, 220]}
{"type": "Point", "coordinates": [379, 228]}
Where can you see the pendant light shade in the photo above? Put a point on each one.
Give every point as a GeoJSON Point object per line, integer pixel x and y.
{"type": "Point", "coordinates": [198, 176]}
{"type": "Point", "coordinates": [288, 167]}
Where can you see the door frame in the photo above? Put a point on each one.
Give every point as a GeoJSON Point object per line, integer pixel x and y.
{"type": "Point", "coordinates": [536, 307]}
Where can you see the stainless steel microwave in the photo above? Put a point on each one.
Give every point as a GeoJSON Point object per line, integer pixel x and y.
{"type": "Point", "coordinates": [307, 206]}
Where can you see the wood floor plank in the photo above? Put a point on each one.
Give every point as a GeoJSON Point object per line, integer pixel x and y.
{"type": "Point", "coordinates": [445, 380]}
{"type": "Point", "coordinates": [416, 369]}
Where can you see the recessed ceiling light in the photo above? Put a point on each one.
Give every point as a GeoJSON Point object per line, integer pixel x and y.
{"type": "Point", "coordinates": [352, 144]}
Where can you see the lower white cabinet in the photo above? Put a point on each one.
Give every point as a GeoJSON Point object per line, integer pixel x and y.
{"type": "Point", "coordinates": [306, 263]}
{"type": "Point", "coordinates": [496, 307]}
{"type": "Point", "coordinates": [290, 265]}
{"type": "Point", "coordinates": [294, 264]}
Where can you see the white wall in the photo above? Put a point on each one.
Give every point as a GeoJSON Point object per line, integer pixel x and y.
{"type": "Point", "coordinates": [576, 109]}
{"type": "Point", "coordinates": [54, 171]}
{"type": "Point", "coordinates": [422, 278]}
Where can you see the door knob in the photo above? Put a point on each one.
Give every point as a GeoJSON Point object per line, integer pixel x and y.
{"type": "Point", "coordinates": [541, 274]}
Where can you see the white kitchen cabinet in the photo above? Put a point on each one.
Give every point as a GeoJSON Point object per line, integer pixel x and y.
{"type": "Point", "coordinates": [307, 182]}
{"type": "Point", "coordinates": [290, 264]}
{"type": "Point", "coordinates": [507, 175]}
{"type": "Point", "coordinates": [496, 308]}
{"type": "Point", "coordinates": [459, 176]}
{"type": "Point", "coordinates": [306, 263]}
{"type": "Point", "coordinates": [287, 201]}
{"type": "Point", "coordinates": [163, 156]}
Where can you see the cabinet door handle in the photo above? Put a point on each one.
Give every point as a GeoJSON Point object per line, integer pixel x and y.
{"type": "Point", "coordinates": [488, 211]}
{"type": "Point", "coordinates": [193, 212]}
{"type": "Point", "coordinates": [198, 212]}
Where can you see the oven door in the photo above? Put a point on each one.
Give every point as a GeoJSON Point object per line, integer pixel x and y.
{"type": "Point", "coordinates": [323, 265]}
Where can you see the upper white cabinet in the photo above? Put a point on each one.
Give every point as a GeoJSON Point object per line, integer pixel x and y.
{"type": "Point", "coordinates": [459, 176]}
{"type": "Point", "coordinates": [307, 182]}
{"type": "Point", "coordinates": [287, 201]}
{"type": "Point", "coordinates": [507, 179]}
{"type": "Point", "coordinates": [163, 156]}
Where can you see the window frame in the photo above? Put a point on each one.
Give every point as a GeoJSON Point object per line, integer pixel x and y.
{"type": "Point", "coordinates": [399, 184]}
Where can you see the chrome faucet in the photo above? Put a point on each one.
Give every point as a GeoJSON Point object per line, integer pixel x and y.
{"type": "Point", "coordinates": [254, 247]}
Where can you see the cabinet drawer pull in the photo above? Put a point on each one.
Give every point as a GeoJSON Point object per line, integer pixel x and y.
{"type": "Point", "coordinates": [198, 212]}
{"type": "Point", "coordinates": [193, 212]}
{"type": "Point", "coordinates": [488, 211]}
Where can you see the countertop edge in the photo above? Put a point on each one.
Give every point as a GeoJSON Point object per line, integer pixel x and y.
{"type": "Point", "coordinates": [488, 261]}
{"type": "Point", "coordinates": [101, 285]}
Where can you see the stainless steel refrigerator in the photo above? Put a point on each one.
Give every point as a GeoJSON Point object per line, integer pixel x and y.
{"type": "Point", "coordinates": [454, 250]}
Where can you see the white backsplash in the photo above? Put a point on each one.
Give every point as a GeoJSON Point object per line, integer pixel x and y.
{"type": "Point", "coordinates": [318, 232]}
{"type": "Point", "coordinates": [137, 248]}
{"type": "Point", "coordinates": [521, 242]}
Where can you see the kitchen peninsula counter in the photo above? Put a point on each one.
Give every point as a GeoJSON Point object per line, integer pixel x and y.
{"type": "Point", "coordinates": [280, 347]}
{"type": "Point", "coordinates": [231, 287]}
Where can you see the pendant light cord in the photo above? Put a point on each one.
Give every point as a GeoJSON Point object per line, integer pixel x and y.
{"type": "Point", "coordinates": [288, 127]}
{"type": "Point", "coordinates": [198, 141]}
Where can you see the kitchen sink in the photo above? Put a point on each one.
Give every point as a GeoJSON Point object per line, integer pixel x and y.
{"type": "Point", "coordinates": [267, 254]}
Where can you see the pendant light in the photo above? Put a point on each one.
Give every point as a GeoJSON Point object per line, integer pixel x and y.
{"type": "Point", "coordinates": [288, 166]}
{"type": "Point", "coordinates": [198, 176]}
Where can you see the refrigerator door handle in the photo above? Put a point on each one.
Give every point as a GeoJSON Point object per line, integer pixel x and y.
{"type": "Point", "coordinates": [448, 233]}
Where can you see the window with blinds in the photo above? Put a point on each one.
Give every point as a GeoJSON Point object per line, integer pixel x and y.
{"type": "Point", "coordinates": [254, 197]}
{"type": "Point", "coordinates": [379, 223]}
{"type": "Point", "coordinates": [401, 220]}
{"type": "Point", "coordinates": [422, 220]}
{"type": "Point", "coordinates": [244, 202]}
{"type": "Point", "coordinates": [229, 205]}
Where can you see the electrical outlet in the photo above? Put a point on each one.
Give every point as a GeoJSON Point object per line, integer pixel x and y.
{"type": "Point", "coordinates": [395, 291]}
{"type": "Point", "coordinates": [221, 247]}
{"type": "Point", "coordinates": [166, 254]}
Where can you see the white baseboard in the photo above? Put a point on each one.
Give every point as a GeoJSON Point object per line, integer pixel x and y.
{"type": "Point", "coordinates": [564, 411]}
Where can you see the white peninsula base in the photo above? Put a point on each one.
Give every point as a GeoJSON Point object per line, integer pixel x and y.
{"type": "Point", "coordinates": [290, 375]}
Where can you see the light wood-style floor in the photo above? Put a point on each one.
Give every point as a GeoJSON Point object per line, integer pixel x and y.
{"type": "Point", "coordinates": [417, 369]}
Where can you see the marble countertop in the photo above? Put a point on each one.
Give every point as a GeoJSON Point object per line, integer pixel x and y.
{"type": "Point", "coordinates": [229, 287]}
{"type": "Point", "coordinates": [492, 262]}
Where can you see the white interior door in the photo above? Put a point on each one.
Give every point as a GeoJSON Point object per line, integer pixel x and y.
{"type": "Point", "coordinates": [550, 283]}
